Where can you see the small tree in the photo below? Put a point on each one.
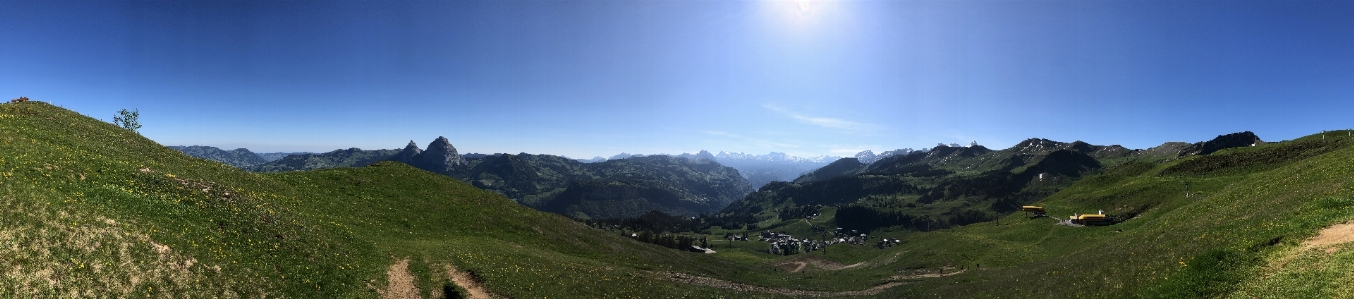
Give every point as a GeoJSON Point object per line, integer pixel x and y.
{"type": "Point", "coordinates": [128, 119]}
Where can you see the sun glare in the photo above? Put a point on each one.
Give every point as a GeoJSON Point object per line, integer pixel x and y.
{"type": "Point", "coordinates": [799, 16]}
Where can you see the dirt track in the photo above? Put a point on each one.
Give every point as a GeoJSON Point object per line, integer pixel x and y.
{"type": "Point", "coordinates": [400, 283]}
{"type": "Point", "coordinates": [1336, 234]}
{"type": "Point", "coordinates": [741, 287]}
{"type": "Point", "coordinates": [465, 281]}
{"type": "Point", "coordinates": [800, 264]}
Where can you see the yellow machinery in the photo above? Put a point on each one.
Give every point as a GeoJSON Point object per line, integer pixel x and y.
{"type": "Point", "coordinates": [1034, 211]}
{"type": "Point", "coordinates": [1091, 219]}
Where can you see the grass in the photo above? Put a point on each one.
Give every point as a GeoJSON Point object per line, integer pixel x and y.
{"type": "Point", "coordinates": [330, 233]}
{"type": "Point", "coordinates": [89, 209]}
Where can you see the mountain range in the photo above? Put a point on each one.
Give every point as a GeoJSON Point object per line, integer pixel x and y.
{"type": "Point", "coordinates": [352, 157]}
{"type": "Point", "coordinates": [759, 170]}
{"type": "Point", "coordinates": [950, 185]}
{"type": "Point", "coordinates": [239, 158]}
{"type": "Point", "coordinates": [616, 188]}
{"type": "Point", "coordinates": [610, 189]}
{"type": "Point", "coordinates": [92, 209]}
{"type": "Point", "coordinates": [629, 185]}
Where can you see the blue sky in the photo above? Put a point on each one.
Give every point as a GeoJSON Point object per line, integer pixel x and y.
{"type": "Point", "coordinates": [596, 78]}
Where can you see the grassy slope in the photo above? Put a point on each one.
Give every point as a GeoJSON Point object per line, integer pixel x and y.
{"type": "Point", "coordinates": [1210, 244]}
{"type": "Point", "coordinates": [87, 208]}
{"type": "Point", "coordinates": [1239, 234]}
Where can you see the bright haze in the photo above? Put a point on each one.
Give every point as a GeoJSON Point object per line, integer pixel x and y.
{"type": "Point", "coordinates": [596, 78]}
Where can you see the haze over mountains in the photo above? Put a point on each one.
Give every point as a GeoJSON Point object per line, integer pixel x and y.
{"type": "Point", "coordinates": [703, 183]}
{"type": "Point", "coordinates": [240, 157]}
{"type": "Point", "coordinates": [608, 189]}
{"type": "Point", "coordinates": [951, 186]}
{"type": "Point", "coordinates": [757, 169]}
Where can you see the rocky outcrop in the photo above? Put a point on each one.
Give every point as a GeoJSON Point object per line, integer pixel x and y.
{"type": "Point", "coordinates": [441, 157]}
{"type": "Point", "coordinates": [409, 155]}
{"type": "Point", "coordinates": [1222, 142]}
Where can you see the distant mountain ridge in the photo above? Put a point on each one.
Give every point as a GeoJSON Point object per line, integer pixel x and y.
{"type": "Point", "coordinates": [239, 158]}
{"type": "Point", "coordinates": [270, 157]}
{"type": "Point", "coordinates": [617, 188]}
{"type": "Point", "coordinates": [764, 169]}
{"type": "Point", "coordinates": [352, 157]}
{"type": "Point", "coordinates": [974, 181]}
{"type": "Point", "coordinates": [771, 157]}
{"type": "Point", "coordinates": [868, 156]}
{"type": "Point", "coordinates": [758, 170]}
{"type": "Point", "coordinates": [606, 189]}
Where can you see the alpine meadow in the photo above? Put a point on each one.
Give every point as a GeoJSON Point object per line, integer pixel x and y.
{"type": "Point", "coordinates": [739, 149]}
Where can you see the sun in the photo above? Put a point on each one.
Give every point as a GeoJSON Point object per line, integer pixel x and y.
{"type": "Point", "coordinates": [799, 16]}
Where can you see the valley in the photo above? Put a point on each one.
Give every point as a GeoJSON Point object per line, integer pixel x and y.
{"type": "Point", "coordinates": [676, 149]}
{"type": "Point", "coordinates": [94, 208]}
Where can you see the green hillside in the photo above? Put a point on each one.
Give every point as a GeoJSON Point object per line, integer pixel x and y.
{"type": "Point", "coordinates": [88, 209]}
{"type": "Point", "coordinates": [1243, 231]}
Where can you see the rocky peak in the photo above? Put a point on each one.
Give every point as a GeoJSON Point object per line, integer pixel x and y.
{"type": "Point", "coordinates": [1222, 142]}
{"type": "Point", "coordinates": [705, 155]}
{"type": "Point", "coordinates": [866, 157]}
{"type": "Point", "coordinates": [408, 155]}
{"type": "Point", "coordinates": [440, 157]}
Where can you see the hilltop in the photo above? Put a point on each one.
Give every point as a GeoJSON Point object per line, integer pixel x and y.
{"type": "Point", "coordinates": [90, 208]}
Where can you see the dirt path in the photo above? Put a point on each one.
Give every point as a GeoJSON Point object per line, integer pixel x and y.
{"type": "Point", "coordinates": [942, 273]}
{"type": "Point", "coordinates": [1336, 234]}
{"type": "Point", "coordinates": [401, 283]}
{"type": "Point", "coordinates": [742, 287]}
{"type": "Point", "coordinates": [799, 264]}
{"type": "Point", "coordinates": [465, 281]}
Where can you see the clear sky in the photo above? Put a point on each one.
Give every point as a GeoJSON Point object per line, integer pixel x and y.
{"type": "Point", "coordinates": [596, 78]}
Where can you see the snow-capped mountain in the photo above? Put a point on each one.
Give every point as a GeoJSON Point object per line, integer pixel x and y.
{"type": "Point", "coordinates": [867, 156]}
{"type": "Point", "coordinates": [772, 157]}
{"type": "Point", "coordinates": [757, 169]}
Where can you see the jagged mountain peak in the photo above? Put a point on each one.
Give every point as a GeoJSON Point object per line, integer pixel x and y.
{"type": "Point", "coordinates": [705, 155]}
{"type": "Point", "coordinates": [408, 155]}
{"type": "Point", "coordinates": [440, 157]}
{"type": "Point", "coordinates": [866, 157]}
{"type": "Point", "coordinates": [1037, 144]}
